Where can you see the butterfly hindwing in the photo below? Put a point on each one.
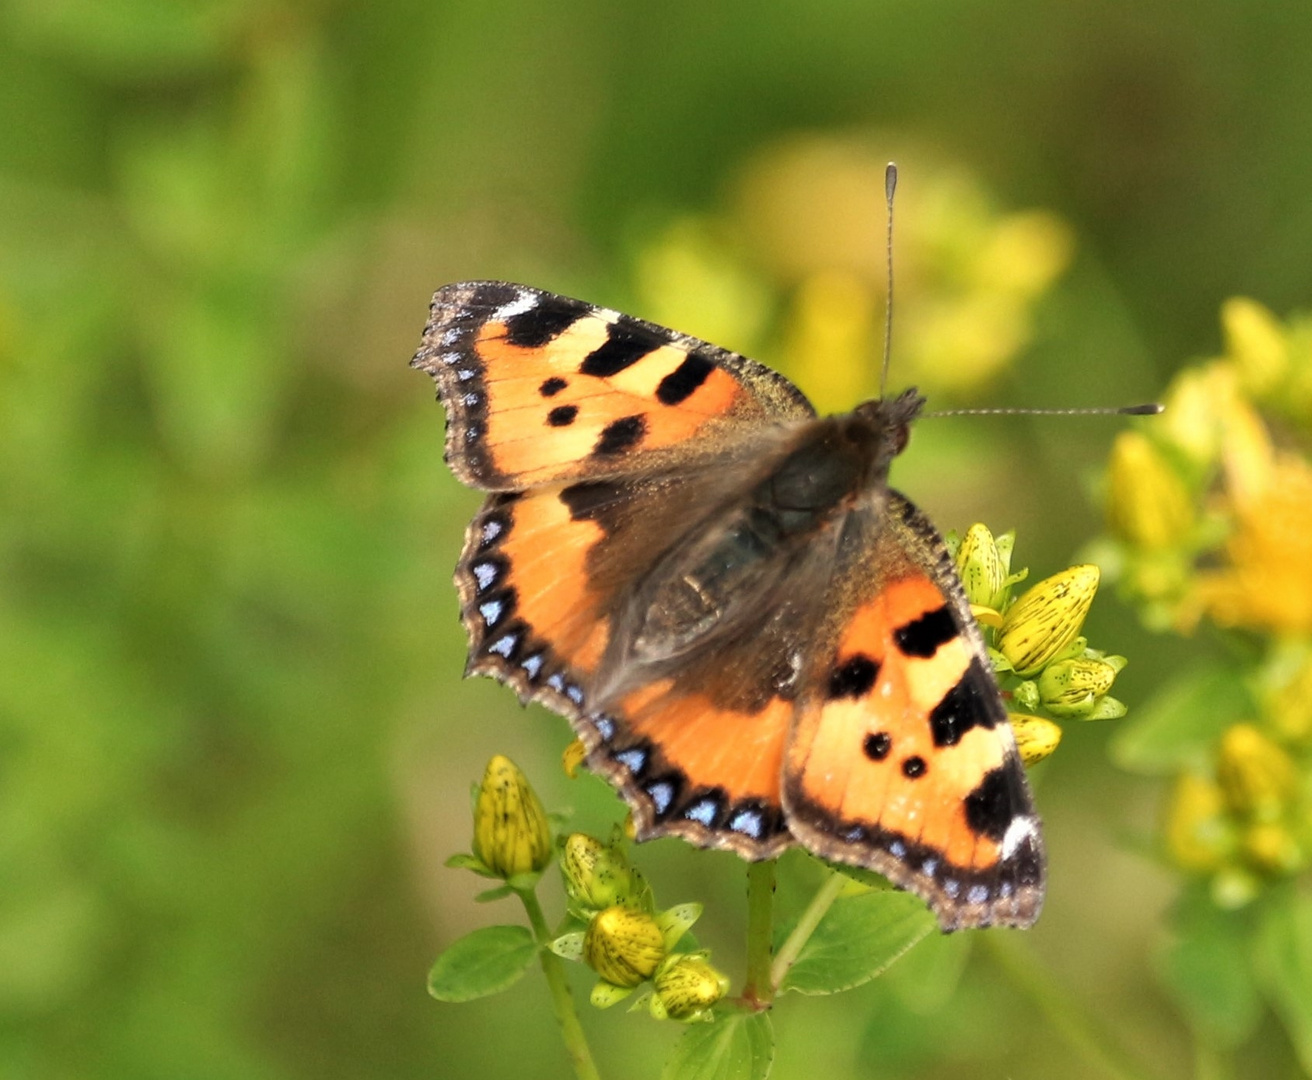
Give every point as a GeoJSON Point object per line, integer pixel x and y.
{"type": "Point", "coordinates": [904, 761]}
{"type": "Point", "coordinates": [541, 389]}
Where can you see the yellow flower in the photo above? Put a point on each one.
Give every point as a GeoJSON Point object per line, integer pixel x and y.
{"type": "Point", "coordinates": [511, 832]}
{"type": "Point", "coordinates": [1272, 848]}
{"type": "Point", "coordinates": [1256, 342]}
{"type": "Point", "coordinates": [1047, 619]}
{"type": "Point", "coordinates": [1147, 502]}
{"type": "Point", "coordinates": [1258, 778]}
{"type": "Point", "coordinates": [1036, 737]}
{"type": "Point", "coordinates": [623, 946]}
{"type": "Point", "coordinates": [686, 988]}
{"type": "Point", "coordinates": [1268, 583]}
{"type": "Point", "coordinates": [1198, 833]}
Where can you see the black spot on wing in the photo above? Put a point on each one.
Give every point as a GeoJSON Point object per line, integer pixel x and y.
{"type": "Point", "coordinates": [853, 678]}
{"type": "Point", "coordinates": [562, 415]}
{"type": "Point", "coordinates": [913, 767]}
{"type": "Point", "coordinates": [620, 435]}
{"type": "Point", "coordinates": [877, 745]}
{"type": "Point", "coordinates": [552, 386]}
{"type": "Point", "coordinates": [589, 499]}
{"type": "Point", "coordinates": [923, 636]}
{"type": "Point", "coordinates": [963, 707]}
{"type": "Point", "coordinates": [545, 321]}
{"type": "Point", "coordinates": [994, 804]}
{"type": "Point", "coordinates": [626, 343]}
{"type": "Point", "coordinates": [681, 383]}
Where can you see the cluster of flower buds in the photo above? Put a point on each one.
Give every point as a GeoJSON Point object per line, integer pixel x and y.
{"type": "Point", "coordinates": [1244, 821]}
{"type": "Point", "coordinates": [1210, 518]}
{"type": "Point", "coordinates": [1034, 639]}
{"type": "Point", "coordinates": [626, 940]}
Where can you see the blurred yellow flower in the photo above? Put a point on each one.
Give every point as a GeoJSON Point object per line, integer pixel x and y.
{"type": "Point", "coordinates": [1255, 342]}
{"type": "Point", "coordinates": [1267, 584]}
{"type": "Point", "coordinates": [1036, 737]}
{"type": "Point", "coordinates": [1198, 834]}
{"type": "Point", "coordinates": [1258, 778]}
{"type": "Point", "coordinates": [1148, 504]}
{"type": "Point", "coordinates": [832, 340]}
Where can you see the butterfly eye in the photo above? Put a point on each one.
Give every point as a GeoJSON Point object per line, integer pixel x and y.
{"type": "Point", "coordinates": [901, 436]}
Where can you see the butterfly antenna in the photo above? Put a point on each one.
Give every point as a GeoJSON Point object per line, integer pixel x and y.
{"type": "Point", "coordinates": [1151, 409]}
{"type": "Point", "coordinates": [890, 186]}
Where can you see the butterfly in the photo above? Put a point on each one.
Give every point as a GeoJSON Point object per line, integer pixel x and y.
{"type": "Point", "coordinates": [758, 641]}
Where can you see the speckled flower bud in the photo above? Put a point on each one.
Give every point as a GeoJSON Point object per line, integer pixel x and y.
{"type": "Point", "coordinates": [982, 567]}
{"type": "Point", "coordinates": [1148, 504]}
{"type": "Point", "coordinates": [686, 988]}
{"type": "Point", "coordinates": [1036, 737]}
{"type": "Point", "coordinates": [511, 832]}
{"type": "Point", "coordinates": [623, 946]}
{"type": "Point", "coordinates": [1047, 619]}
{"type": "Point", "coordinates": [597, 876]}
{"type": "Point", "coordinates": [1075, 687]}
{"type": "Point", "coordinates": [1257, 776]}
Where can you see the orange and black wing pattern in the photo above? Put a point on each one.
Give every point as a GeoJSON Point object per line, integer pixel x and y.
{"type": "Point", "coordinates": [902, 759]}
{"type": "Point", "coordinates": [541, 389]}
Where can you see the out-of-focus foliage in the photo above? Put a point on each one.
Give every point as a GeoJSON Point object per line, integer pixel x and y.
{"type": "Point", "coordinates": [235, 748]}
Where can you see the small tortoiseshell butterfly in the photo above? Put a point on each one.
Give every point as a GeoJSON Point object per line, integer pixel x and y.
{"type": "Point", "coordinates": [758, 640]}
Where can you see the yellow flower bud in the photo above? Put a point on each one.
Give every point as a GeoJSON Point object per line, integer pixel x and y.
{"type": "Point", "coordinates": [1198, 834]}
{"type": "Point", "coordinates": [1256, 342]}
{"type": "Point", "coordinates": [1036, 737]}
{"type": "Point", "coordinates": [597, 876]}
{"type": "Point", "coordinates": [981, 566]}
{"type": "Point", "coordinates": [1047, 619]}
{"type": "Point", "coordinates": [1257, 776]}
{"type": "Point", "coordinates": [511, 833]}
{"type": "Point", "coordinates": [623, 946]}
{"type": "Point", "coordinates": [1073, 687]}
{"type": "Point", "coordinates": [686, 988]}
{"type": "Point", "coordinates": [1147, 503]}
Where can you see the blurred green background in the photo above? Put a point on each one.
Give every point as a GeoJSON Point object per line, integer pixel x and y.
{"type": "Point", "coordinates": [236, 747]}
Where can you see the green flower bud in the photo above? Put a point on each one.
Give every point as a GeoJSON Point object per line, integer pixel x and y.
{"type": "Point", "coordinates": [686, 988]}
{"type": "Point", "coordinates": [623, 946]}
{"type": "Point", "coordinates": [982, 567]}
{"type": "Point", "coordinates": [1258, 778]}
{"type": "Point", "coordinates": [1074, 687]}
{"type": "Point", "coordinates": [1036, 737]}
{"type": "Point", "coordinates": [511, 833]}
{"type": "Point", "coordinates": [1148, 504]}
{"type": "Point", "coordinates": [597, 876]}
{"type": "Point", "coordinates": [1047, 619]}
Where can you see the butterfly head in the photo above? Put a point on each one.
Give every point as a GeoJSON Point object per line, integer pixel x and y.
{"type": "Point", "coordinates": [890, 422]}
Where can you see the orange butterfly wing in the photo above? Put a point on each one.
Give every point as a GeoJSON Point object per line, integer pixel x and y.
{"type": "Point", "coordinates": [904, 762]}
{"type": "Point", "coordinates": [594, 431]}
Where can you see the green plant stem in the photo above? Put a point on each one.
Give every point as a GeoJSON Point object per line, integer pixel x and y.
{"type": "Point", "coordinates": [562, 1002]}
{"type": "Point", "coordinates": [1089, 1039]}
{"type": "Point", "coordinates": [758, 989]}
{"type": "Point", "coordinates": [815, 911]}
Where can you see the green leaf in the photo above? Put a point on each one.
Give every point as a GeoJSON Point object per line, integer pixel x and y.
{"type": "Point", "coordinates": [857, 940]}
{"type": "Point", "coordinates": [465, 861]}
{"type": "Point", "coordinates": [1207, 970]}
{"type": "Point", "coordinates": [1285, 964]}
{"type": "Point", "coordinates": [1179, 726]}
{"type": "Point", "coordinates": [482, 963]}
{"type": "Point", "coordinates": [488, 895]}
{"type": "Point", "coordinates": [736, 1046]}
